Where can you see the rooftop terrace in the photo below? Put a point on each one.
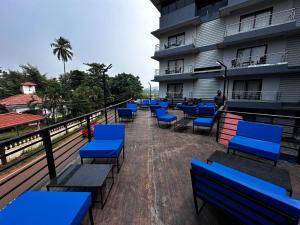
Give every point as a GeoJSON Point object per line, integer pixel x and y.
{"type": "Point", "coordinates": [154, 184]}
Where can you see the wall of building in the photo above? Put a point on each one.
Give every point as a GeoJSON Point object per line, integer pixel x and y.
{"type": "Point", "coordinates": [28, 89]}
{"type": "Point", "coordinates": [180, 15]}
{"type": "Point", "coordinates": [207, 88]}
{"type": "Point", "coordinates": [208, 58]}
{"type": "Point", "coordinates": [290, 89]}
{"type": "Point", "coordinates": [293, 48]}
{"type": "Point", "coordinates": [210, 33]}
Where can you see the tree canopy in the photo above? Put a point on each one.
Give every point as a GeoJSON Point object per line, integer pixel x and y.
{"type": "Point", "coordinates": [74, 93]}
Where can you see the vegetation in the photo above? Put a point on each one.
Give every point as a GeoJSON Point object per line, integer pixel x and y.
{"type": "Point", "coordinates": [73, 93]}
{"type": "Point", "coordinates": [62, 49]}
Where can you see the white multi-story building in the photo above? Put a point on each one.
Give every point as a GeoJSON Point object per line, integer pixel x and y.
{"type": "Point", "coordinates": [258, 41]}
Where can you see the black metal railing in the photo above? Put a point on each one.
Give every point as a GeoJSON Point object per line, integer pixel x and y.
{"type": "Point", "coordinates": [33, 158]}
{"type": "Point", "coordinates": [290, 144]}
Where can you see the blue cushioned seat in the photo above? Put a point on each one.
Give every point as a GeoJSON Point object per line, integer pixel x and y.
{"type": "Point", "coordinates": [153, 102]}
{"type": "Point", "coordinates": [132, 106]}
{"type": "Point", "coordinates": [47, 208]}
{"type": "Point", "coordinates": [247, 198]}
{"type": "Point", "coordinates": [203, 122]}
{"type": "Point", "coordinates": [164, 105]}
{"type": "Point", "coordinates": [265, 149]}
{"type": "Point", "coordinates": [125, 113]}
{"type": "Point", "coordinates": [190, 110]}
{"type": "Point", "coordinates": [108, 142]}
{"type": "Point", "coordinates": [258, 139]}
{"type": "Point", "coordinates": [153, 109]}
{"type": "Point", "coordinates": [161, 115]}
{"type": "Point", "coordinates": [102, 149]}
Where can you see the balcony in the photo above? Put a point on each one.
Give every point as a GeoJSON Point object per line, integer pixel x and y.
{"type": "Point", "coordinates": [175, 49]}
{"type": "Point", "coordinates": [276, 24]}
{"type": "Point", "coordinates": [174, 71]}
{"type": "Point", "coordinates": [153, 186]}
{"type": "Point", "coordinates": [271, 59]}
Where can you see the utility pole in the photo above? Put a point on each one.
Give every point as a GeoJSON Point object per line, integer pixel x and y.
{"type": "Point", "coordinates": [104, 90]}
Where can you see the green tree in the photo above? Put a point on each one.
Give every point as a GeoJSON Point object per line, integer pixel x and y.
{"type": "Point", "coordinates": [62, 48]}
{"type": "Point", "coordinates": [10, 81]}
{"type": "Point", "coordinates": [124, 86]}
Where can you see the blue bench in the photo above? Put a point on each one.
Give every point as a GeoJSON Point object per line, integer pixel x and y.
{"type": "Point", "coordinates": [133, 107]}
{"type": "Point", "coordinates": [125, 113]}
{"type": "Point", "coordinates": [246, 198]}
{"type": "Point", "coordinates": [145, 103]}
{"type": "Point", "coordinates": [48, 208]}
{"type": "Point", "coordinates": [164, 105]}
{"type": "Point", "coordinates": [153, 102]}
{"type": "Point", "coordinates": [153, 109]}
{"type": "Point", "coordinates": [190, 110]}
{"type": "Point", "coordinates": [205, 122]}
{"type": "Point", "coordinates": [258, 139]}
{"type": "Point", "coordinates": [206, 111]}
{"type": "Point", "coordinates": [161, 115]}
{"type": "Point", "coordinates": [108, 142]}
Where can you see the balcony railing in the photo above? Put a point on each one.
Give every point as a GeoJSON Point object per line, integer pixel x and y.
{"type": "Point", "coordinates": [35, 157]}
{"type": "Point", "coordinates": [260, 22]}
{"type": "Point", "coordinates": [259, 60]}
{"type": "Point", "coordinates": [177, 44]}
{"type": "Point", "coordinates": [176, 70]}
{"type": "Point", "coordinates": [264, 96]}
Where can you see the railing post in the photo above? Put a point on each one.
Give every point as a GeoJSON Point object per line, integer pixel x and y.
{"type": "Point", "coordinates": [116, 118]}
{"type": "Point", "coordinates": [49, 153]}
{"type": "Point", "coordinates": [88, 125]}
{"type": "Point", "coordinates": [2, 154]}
{"type": "Point", "coordinates": [218, 125]}
{"type": "Point", "coordinates": [298, 156]}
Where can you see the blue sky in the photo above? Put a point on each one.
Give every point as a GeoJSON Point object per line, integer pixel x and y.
{"type": "Point", "coordinates": [108, 31]}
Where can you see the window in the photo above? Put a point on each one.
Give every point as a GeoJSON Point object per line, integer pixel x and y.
{"type": "Point", "coordinates": [250, 56]}
{"type": "Point", "coordinates": [256, 20]}
{"type": "Point", "coordinates": [247, 89]}
{"type": "Point", "coordinates": [176, 40]}
{"type": "Point", "coordinates": [175, 66]}
{"type": "Point", "coordinates": [174, 90]}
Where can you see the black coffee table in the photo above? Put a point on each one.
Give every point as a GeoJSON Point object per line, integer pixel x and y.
{"type": "Point", "coordinates": [270, 173]}
{"type": "Point", "coordinates": [86, 177]}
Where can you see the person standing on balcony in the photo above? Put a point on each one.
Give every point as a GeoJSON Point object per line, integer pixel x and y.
{"type": "Point", "coordinates": [219, 99]}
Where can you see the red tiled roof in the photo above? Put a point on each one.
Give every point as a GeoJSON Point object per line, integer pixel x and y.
{"type": "Point", "coordinates": [13, 119]}
{"type": "Point", "coordinates": [28, 84]}
{"type": "Point", "coordinates": [21, 99]}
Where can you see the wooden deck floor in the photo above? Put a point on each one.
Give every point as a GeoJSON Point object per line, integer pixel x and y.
{"type": "Point", "coordinates": [154, 187]}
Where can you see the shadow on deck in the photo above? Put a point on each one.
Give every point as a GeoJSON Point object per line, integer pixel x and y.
{"type": "Point", "coordinates": [154, 185]}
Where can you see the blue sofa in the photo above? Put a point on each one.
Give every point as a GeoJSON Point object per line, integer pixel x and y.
{"type": "Point", "coordinates": [258, 139]}
{"type": "Point", "coordinates": [246, 198]}
{"type": "Point", "coordinates": [190, 110]}
{"type": "Point", "coordinates": [133, 107]}
{"type": "Point", "coordinates": [153, 109]}
{"type": "Point", "coordinates": [153, 102]}
{"type": "Point", "coordinates": [48, 208]}
{"type": "Point", "coordinates": [108, 142]}
{"type": "Point", "coordinates": [145, 103]}
{"type": "Point", "coordinates": [207, 122]}
{"type": "Point", "coordinates": [164, 105]}
{"type": "Point", "coordinates": [125, 113]}
{"type": "Point", "coordinates": [206, 111]}
{"type": "Point", "coordinates": [161, 115]}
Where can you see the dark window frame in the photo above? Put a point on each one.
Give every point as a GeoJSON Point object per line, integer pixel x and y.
{"type": "Point", "coordinates": [172, 60]}
{"type": "Point", "coordinates": [181, 90]}
{"type": "Point", "coordinates": [247, 88]}
{"type": "Point", "coordinates": [251, 48]}
{"type": "Point", "coordinates": [176, 36]}
{"type": "Point", "coordinates": [255, 14]}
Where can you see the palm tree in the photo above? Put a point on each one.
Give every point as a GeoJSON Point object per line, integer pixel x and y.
{"type": "Point", "coordinates": [63, 49]}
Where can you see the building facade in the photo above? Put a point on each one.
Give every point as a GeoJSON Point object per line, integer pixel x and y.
{"type": "Point", "coordinates": [258, 41]}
